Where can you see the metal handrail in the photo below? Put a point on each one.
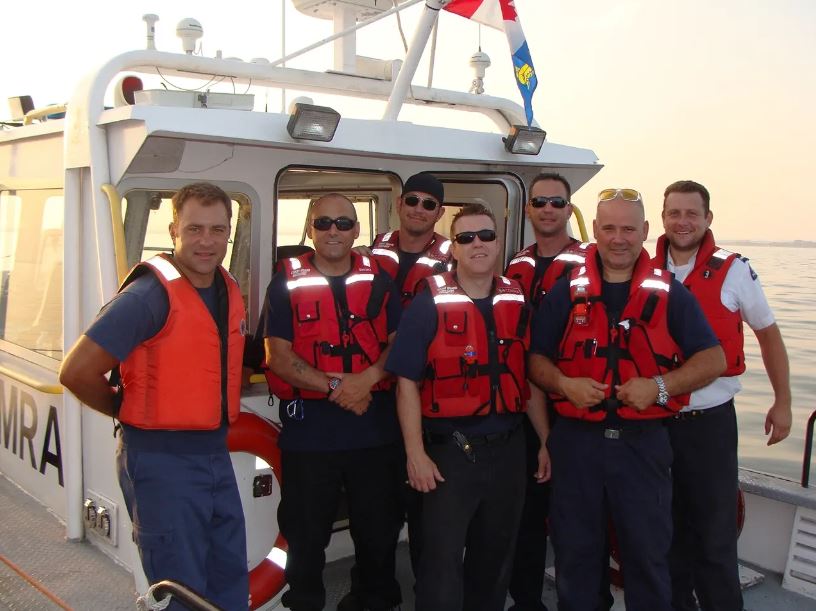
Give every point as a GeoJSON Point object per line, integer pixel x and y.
{"type": "Point", "coordinates": [155, 597]}
{"type": "Point", "coordinates": [808, 449]}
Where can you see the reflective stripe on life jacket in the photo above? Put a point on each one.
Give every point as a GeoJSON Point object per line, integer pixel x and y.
{"type": "Point", "coordinates": [435, 259]}
{"type": "Point", "coordinates": [612, 352]}
{"type": "Point", "coordinates": [471, 368]}
{"type": "Point", "coordinates": [522, 268]}
{"type": "Point", "coordinates": [327, 338]}
{"type": "Point", "coordinates": [705, 282]}
{"type": "Point", "coordinates": [173, 380]}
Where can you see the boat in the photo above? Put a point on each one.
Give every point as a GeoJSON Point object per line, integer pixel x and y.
{"type": "Point", "coordinates": [84, 195]}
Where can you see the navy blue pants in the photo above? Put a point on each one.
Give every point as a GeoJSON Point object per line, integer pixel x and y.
{"type": "Point", "coordinates": [475, 512]}
{"type": "Point", "coordinates": [310, 496]}
{"type": "Point", "coordinates": [704, 549]}
{"type": "Point", "coordinates": [624, 475]}
{"type": "Point", "coordinates": [188, 522]}
{"type": "Point", "coordinates": [527, 580]}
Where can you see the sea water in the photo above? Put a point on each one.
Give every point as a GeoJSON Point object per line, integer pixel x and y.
{"type": "Point", "coordinates": [788, 275]}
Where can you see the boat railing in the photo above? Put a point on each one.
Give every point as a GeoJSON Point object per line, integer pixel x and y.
{"type": "Point", "coordinates": [808, 450]}
{"type": "Point", "coordinates": [156, 597]}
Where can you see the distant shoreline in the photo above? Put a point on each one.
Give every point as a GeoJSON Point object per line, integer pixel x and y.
{"type": "Point", "coordinates": [787, 244]}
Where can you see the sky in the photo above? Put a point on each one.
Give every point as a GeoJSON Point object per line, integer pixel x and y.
{"type": "Point", "coordinates": [722, 92]}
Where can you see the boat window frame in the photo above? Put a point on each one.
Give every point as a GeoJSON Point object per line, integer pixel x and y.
{"type": "Point", "coordinates": [13, 349]}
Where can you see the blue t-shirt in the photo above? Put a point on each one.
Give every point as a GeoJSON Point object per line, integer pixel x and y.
{"type": "Point", "coordinates": [687, 323]}
{"type": "Point", "coordinates": [132, 317]}
{"type": "Point", "coordinates": [409, 357]}
{"type": "Point", "coordinates": [319, 425]}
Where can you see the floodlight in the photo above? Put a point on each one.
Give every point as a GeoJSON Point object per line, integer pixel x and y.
{"type": "Point", "coordinates": [523, 140]}
{"type": "Point", "coordinates": [310, 122]}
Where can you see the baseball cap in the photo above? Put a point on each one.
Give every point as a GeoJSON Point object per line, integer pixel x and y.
{"type": "Point", "coordinates": [425, 183]}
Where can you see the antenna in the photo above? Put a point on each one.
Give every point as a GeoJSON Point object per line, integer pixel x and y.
{"type": "Point", "coordinates": [189, 30]}
{"type": "Point", "coordinates": [150, 20]}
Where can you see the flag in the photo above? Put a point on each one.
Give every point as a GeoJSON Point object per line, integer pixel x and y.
{"type": "Point", "coordinates": [502, 15]}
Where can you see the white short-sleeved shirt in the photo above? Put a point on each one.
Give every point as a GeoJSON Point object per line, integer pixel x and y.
{"type": "Point", "coordinates": [741, 291]}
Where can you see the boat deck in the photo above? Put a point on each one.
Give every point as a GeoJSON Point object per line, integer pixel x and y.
{"type": "Point", "coordinates": [40, 570]}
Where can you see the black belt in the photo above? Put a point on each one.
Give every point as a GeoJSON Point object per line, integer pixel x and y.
{"type": "Point", "coordinates": [696, 414]}
{"type": "Point", "coordinates": [615, 430]}
{"type": "Point", "coordinates": [478, 440]}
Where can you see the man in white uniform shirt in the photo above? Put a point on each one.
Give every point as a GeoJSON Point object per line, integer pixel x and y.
{"type": "Point", "coordinates": [703, 557]}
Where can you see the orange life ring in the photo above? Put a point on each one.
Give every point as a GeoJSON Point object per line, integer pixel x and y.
{"type": "Point", "coordinates": [254, 435]}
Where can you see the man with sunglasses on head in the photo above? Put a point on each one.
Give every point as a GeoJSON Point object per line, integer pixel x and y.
{"type": "Point", "coordinates": [536, 268]}
{"type": "Point", "coordinates": [461, 395]}
{"type": "Point", "coordinates": [618, 344]}
{"type": "Point", "coordinates": [330, 319]}
{"type": "Point", "coordinates": [703, 559]}
{"type": "Point", "coordinates": [415, 251]}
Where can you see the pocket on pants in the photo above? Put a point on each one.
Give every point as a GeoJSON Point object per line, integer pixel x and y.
{"type": "Point", "coordinates": [157, 550]}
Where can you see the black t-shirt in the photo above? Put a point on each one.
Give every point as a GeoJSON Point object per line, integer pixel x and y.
{"type": "Point", "coordinates": [318, 424]}
{"type": "Point", "coordinates": [409, 356]}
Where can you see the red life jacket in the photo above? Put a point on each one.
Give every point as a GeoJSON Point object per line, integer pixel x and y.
{"type": "Point", "coordinates": [705, 282]}
{"type": "Point", "coordinates": [325, 338]}
{"type": "Point", "coordinates": [461, 371]}
{"type": "Point", "coordinates": [639, 345]}
{"type": "Point", "coordinates": [522, 268]}
{"type": "Point", "coordinates": [173, 380]}
{"type": "Point", "coordinates": [433, 260]}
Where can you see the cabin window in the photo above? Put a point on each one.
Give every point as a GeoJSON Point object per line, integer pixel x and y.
{"type": "Point", "coordinates": [147, 217]}
{"type": "Point", "coordinates": [298, 187]}
{"type": "Point", "coordinates": [292, 220]}
{"type": "Point", "coordinates": [31, 224]}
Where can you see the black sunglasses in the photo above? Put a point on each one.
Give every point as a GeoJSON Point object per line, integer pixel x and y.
{"type": "Point", "coordinates": [413, 200]}
{"type": "Point", "coordinates": [466, 237]}
{"type": "Point", "coordinates": [324, 223]}
{"type": "Point", "coordinates": [555, 202]}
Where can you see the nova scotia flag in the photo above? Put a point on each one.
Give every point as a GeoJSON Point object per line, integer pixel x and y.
{"type": "Point", "coordinates": [501, 14]}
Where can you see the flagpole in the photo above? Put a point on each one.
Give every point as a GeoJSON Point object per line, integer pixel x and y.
{"type": "Point", "coordinates": [415, 50]}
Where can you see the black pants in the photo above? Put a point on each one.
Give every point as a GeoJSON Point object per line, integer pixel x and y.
{"type": "Point", "coordinates": [310, 494]}
{"type": "Point", "coordinates": [624, 475]}
{"type": "Point", "coordinates": [474, 513]}
{"type": "Point", "coordinates": [704, 548]}
{"type": "Point", "coordinates": [527, 579]}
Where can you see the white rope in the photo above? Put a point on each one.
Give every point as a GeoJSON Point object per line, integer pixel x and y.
{"type": "Point", "coordinates": [149, 603]}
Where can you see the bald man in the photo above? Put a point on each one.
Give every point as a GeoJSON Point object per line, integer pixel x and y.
{"type": "Point", "coordinates": [618, 345]}
{"type": "Point", "coordinates": [330, 318]}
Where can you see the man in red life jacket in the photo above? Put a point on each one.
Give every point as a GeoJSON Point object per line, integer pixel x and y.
{"type": "Point", "coordinates": [462, 392]}
{"type": "Point", "coordinates": [618, 344]}
{"type": "Point", "coordinates": [704, 434]}
{"type": "Point", "coordinates": [536, 268]}
{"type": "Point", "coordinates": [415, 251]}
{"type": "Point", "coordinates": [329, 319]}
{"type": "Point", "coordinates": [185, 313]}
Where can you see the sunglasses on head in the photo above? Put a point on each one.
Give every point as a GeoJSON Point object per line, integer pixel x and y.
{"type": "Point", "coordinates": [629, 195]}
{"type": "Point", "coordinates": [427, 203]}
{"type": "Point", "coordinates": [324, 223]}
{"type": "Point", "coordinates": [466, 237]}
{"type": "Point", "coordinates": [555, 202]}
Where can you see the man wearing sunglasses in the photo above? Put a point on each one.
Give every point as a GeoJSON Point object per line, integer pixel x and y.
{"type": "Point", "coordinates": [461, 396]}
{"type": "Point", "coordinates": [330, 318]}
{"type": "Point", "coordinates": [618, 345]}
{"type": "Point", "coordinates": [415, 251]}
{"type": "Point", "coordinates": [704, 434]}
{"type": "Point", "coordinates": [536, 268]}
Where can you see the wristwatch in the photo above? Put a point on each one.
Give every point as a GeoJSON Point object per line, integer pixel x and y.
{"type": "Point", "coordinates": [662, 393]}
